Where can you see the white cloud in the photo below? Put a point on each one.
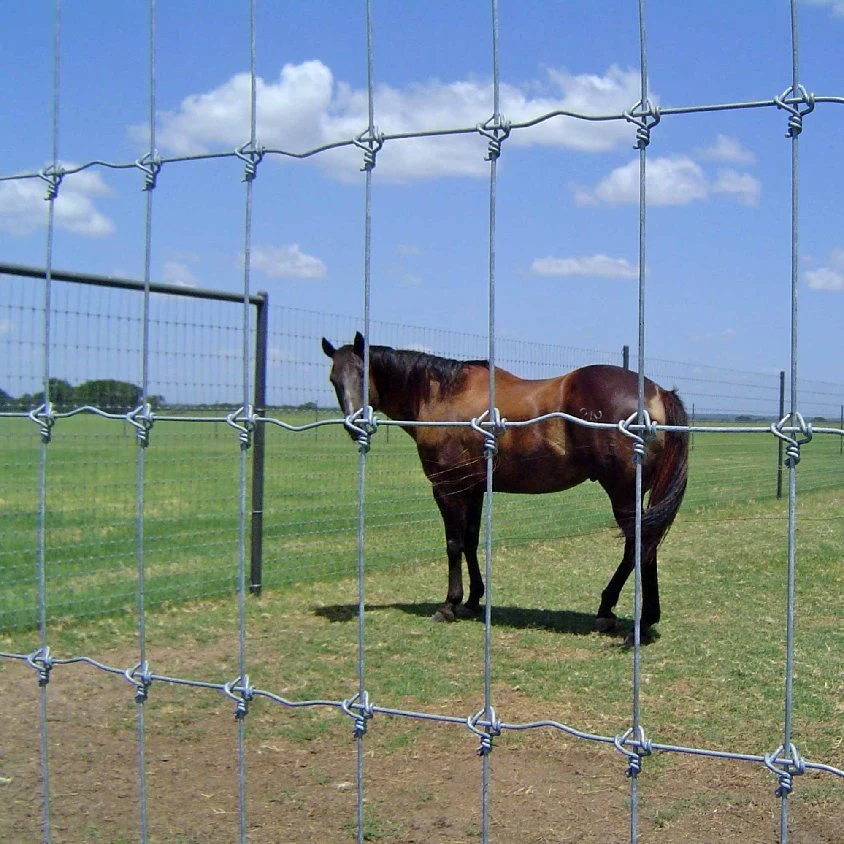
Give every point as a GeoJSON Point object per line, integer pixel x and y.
{"type": "Point", "coordinates": [835, 6]}
{"type": "Point", "coordinates": [286, 262]}
{"type": "Point", "coordinates": [671, 180]}
{"type": "Point", "coordinates": [23, 209]}
{"type": "Point", "coordinates": [728, 150]}
{"type": "Point", "coordinates": [829, 277]}
{"type": "Point", "coordinates": [743, 187]}
{"type": "Point", "coordinates": [178, 273]}
{"type": "Point", "coordinates": [306, 108]}
{"type": "Point", "coordinates": [596, 265]}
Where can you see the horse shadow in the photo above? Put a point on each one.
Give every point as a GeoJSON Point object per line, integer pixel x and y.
{"type": "Point", "coordinates": [516, 618]}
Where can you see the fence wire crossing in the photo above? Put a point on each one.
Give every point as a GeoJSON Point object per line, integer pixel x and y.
{"type": "Point", "coordinates": [632, 742]}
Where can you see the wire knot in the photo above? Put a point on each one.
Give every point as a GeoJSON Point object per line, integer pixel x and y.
{"type": "Point", "coordinates": [490, 431]}
{"type": "Point", "coordinates": [142, 420]}
{"type": "Point", "coordinates": [491, 729]}
{"type": "Point", "coordinates": [370, 141]}
{"type": "Point", "coordinates": [150, 165]}
{"type": "Point", "coordinates": [641, 747]}
{"type": "Point", "coordinates": [364, 712]}
{"type": "Point", "coordinates": [362, 424]}
{"type": "Point", "coordinates": [52, 174]}
{"type": "Point", "coordinates": [640, 440]}
{"type": "Point", "coordinates": [496, 130]}
{"type": "Point", "coordinates": [45, 418]}
{"type": "Point", "coordinates": [792, 447]}
{"type": "Point", "coordinates": [140, 677]}
{"type": "Point", "coordinates": [251, 153]}
{"type": "Point", "coordinates": [242, 693]}
{"type": "Point", "coordinates": [43, 663]}
{"type": "Point", "coordinates": [791, 104]}
{"type": "Point", "coordinates": [644, 116]}
{"type": "Point", "coordinates": [785, 769]}
{"type": "Point", "coordinates": [246, 429]}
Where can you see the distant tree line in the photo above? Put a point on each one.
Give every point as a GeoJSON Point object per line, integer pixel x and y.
{"type": "Point", "coordinates": [105, 393]}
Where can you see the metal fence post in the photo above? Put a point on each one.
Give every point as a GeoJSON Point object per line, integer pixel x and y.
{"type": "Point", "coordinates": [779, 441]}
{"type": "Point", "coordinates": [258, 451]}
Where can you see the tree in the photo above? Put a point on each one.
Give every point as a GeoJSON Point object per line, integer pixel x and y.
{"type": "Point", "coordinates": [108, 394]}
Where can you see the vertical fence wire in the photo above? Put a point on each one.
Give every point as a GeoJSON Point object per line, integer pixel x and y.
{"type": "Point", "coordinates": [489, 712]}
{"type": "Point", "coordinates": [637, 730]}
{"type": "Point", "coordinates": [141, 682]}
{"type": "Point", "coordinates": [788, 749]}
{"type": "Point", "coordinates": [369, 143]}
{"type": "Point", "coordinates": [251, 154]}
{"type": "Point", "coordinates": [52, 177]}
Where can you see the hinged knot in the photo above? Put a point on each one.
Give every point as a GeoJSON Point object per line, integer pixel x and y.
{"type": "Point", "coordinates": [242, 693]}
{"type": "Point", "coordinates": [246, 416]}
{"type": "Point", "coordinates": [491, 728]}
{"type": "Point", "coordinates": [785, 768]}
{"type": "Point", "coordinates": [43, 663]}
{"type": "Point", "coordinates": [370, 141]}
{"type": "Point", "coordinates": [362, 424]}
{"type": "Point", "coordinates": [150, 165]}
{"type": "Point", "coordinates": [490, 431]}
{"type": "Point", "coordinates": [52, 174]}
{"type": "Point", "coordinates": [635, 749]}
{"type": "Point", "coordinates": [790, 100]}
{"type": "Point", "coordinates": [644, 116]}
{"type": "Point", "coordinates": [140, 677]}
{"type": "Point", "coordinates": [646, 431]}
{"type": "Point", "coordinates": [142, 420]}
{"type": "Point", "coordinates": [251, 153]}
{"type": "Point", "coordinates": [363, 712]}
{"type": "Point", "coordinates": [45, 418]}
{"type": "Point", "coordinates": [792, 447]}
{"type": "Point", "coordinates": [496, 130]}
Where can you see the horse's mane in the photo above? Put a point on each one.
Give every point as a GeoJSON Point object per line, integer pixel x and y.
{"type": "Point", "coordinates": [411, 373]}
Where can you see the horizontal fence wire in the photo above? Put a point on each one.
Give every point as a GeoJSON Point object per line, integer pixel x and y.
{"type": "Point", "coordinates": [48, 406]}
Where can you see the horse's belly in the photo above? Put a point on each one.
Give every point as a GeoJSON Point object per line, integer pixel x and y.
{"type": "Point", "coordinates": [536, 475]}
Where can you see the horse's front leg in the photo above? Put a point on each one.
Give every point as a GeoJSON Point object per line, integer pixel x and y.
{"type": "Point", "coordinates": [451, 509]}
{"type": "Point", "coordinates": [475, 508]}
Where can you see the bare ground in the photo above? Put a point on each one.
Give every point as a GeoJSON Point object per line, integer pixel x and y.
{"type": "Point", "coordinates": [422, 782]}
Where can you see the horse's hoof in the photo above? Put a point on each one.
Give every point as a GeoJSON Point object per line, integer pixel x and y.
{"type": "Point", "coordinates": [465, 611]}
{"type": "Point", "coordinates": [443, 614]}
{"type": "Point", "coordinates": [647, 636]}
{"type": "Point", "coordinates": [604, 625]}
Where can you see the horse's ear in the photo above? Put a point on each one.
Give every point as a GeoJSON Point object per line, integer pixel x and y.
{"type": "Point", "coordinates": [328, 348]}
{"type": "Point", "coordinates": [358, 345]}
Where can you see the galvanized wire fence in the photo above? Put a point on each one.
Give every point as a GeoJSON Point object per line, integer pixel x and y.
{"type": "Point", "coordinates": [247, 421]}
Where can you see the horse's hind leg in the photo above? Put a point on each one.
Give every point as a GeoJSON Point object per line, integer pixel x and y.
{"type": "Point", "coordinates": [606, 618]}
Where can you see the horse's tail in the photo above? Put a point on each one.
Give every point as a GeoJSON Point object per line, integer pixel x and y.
{"type": "Point", "coordinates": [668, 483]}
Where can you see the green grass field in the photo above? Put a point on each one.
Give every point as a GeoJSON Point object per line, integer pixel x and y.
{"type": "Point", "coordinates": [191, 497]}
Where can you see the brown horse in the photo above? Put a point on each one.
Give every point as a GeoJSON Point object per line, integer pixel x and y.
{"type": "Point", "coordinates": [546, 456]}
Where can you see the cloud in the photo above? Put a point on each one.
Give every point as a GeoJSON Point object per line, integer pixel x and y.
{"type": "Point", "coordinates": [305, 108]}
{"type": "Point", "coordinates": [728, 150]}
{"type": "Point", "coordinates": [671, 180]}
{"type": "Point", "coordinates": [829, 277]}
{"type": "Point", "coordinates": [23, 209]}
{"type": "Point", "coordinates": [601, 266]}
{"type": "Point", "coordinates": [178, 273]}
{"type": "Point", "coordinates": [743, 187]}
{"type": "Point", "coordinates": [835, 6]}
{"type": "Point", "coordinates": [287, 262]}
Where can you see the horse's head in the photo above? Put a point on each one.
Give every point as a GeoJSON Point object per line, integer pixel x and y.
{"type": "Point", "coordinates": [347, 374]}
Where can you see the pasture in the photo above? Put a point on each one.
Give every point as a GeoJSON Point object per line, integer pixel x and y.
{"type": "Point", "coordinates": [713, 680]}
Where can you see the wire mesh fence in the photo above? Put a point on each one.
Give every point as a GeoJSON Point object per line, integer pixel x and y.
{"type": "Point", "coordinates": [100, 521]}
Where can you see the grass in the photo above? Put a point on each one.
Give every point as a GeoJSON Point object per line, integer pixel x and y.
{"type": "Point", "coordinates": [191, 493]}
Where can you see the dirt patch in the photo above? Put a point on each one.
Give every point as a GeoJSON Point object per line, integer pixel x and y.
{"type": "Point", "coordinates": [422, 780]}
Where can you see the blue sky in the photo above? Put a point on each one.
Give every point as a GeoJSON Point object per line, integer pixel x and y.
{"type": "Point", "coordinates": [718, 260]}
